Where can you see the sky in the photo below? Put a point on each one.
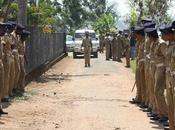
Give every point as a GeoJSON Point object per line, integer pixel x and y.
{"type": "Point", "coordinates": [123, 8]}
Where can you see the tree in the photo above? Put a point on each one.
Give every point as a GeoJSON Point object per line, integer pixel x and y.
{"type": "Point", "coordinates": [22, 14]}
{"type": "Point", "coordinates": [155, 9]}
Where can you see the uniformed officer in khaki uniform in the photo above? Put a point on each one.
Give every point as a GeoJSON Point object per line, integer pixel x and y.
{"type": "Point", "coordinates": [10, 29]}
{"type": "Point", "coordinates": [8, 64]}
{"type": "Point", "coordinates": [2, 78]}
{"type": "Point", "coordinates": [168, 35]}
{"type": "Point", "coordinates": [140, 37]}
{"type": "Point", "coordinates": [87, 44]}
{"type": "Point", "coordinates": [119, 46]}
{"type": "Point", "coordinates": [15, 53]}
{"type": "Point", "coordinates": [107, 46]}
{"type": "Point", "coordinates": [114, 47]}
{"type": "Point", "coordinates": [127, 50]}
{"type": "Point", "coordinates": [148, 74]}
{"type": "Point", "coordinates": [101, 40]}
{"type": "Point", "coordinates": [23, 35]}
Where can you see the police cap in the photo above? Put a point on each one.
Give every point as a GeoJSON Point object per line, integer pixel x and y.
{"type": "Point", "coordinates": [166, 29]}
{"type": "Point", "coordinates": [146, 20]}
{"type": "Point", "coordinates": [152, 32]}
{"type": "Point", "coordinates": [139, 30]}
{"type": "Point", "coordinates": [150, 25]}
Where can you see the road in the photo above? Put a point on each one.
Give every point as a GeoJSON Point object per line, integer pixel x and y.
{"type": "Point", "coordinates": [95, 98]}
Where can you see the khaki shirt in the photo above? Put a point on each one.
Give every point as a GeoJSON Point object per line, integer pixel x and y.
{"type": "Point", "coordinates": [160, 52]}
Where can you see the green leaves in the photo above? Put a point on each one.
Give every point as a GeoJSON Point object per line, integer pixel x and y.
{"type": "Point", "coordinates": [105, 23]}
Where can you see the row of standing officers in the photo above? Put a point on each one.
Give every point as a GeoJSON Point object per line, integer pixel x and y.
{"type": "Point", "coordinates": [117, 45]}
{"type": "Point", "coordinates": [155, 72]}
{"type": "Point", "coordinates": [12, 59]}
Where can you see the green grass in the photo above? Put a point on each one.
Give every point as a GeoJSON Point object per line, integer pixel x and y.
{"type": "Point", "coordinates": [19, 96]}
{"type": "Point", "coordinates": [133, 65]}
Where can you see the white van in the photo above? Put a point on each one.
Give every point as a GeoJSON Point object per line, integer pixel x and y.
{"type": "Point", "coordinates": [78, 38]}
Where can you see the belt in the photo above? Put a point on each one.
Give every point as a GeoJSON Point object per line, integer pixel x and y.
{"type": "Point", "coordinates": [167, 69]}
{"type": "Point", "coordinates": [153, 62]}
{"type": "Point", "coordinates": [172, 73]}
{"type": "Point", "coordinates": [160, 65]}
{"type": "Point", "coordinates": [141, 60]}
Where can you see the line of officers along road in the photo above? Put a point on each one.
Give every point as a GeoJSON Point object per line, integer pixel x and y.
{"type": "Point", "coordinates": [117, 45]}
{"type": "Point", "coordinates": [155, 72]}
{"type": "Point", "coordinates": [12, 60]}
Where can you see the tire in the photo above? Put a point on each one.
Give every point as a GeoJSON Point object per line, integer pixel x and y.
{"type": "Point", "coordinates": [74, 55]}
{"type": "Point", "coordinates": [95, 54]}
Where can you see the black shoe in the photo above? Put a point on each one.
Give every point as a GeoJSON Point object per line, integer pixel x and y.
{"type": "Point", "coordinates": [143, 106]}
{"type": "Point", "coordinates": [146, 110]}
{"type": "Point", "coordinates": [155, 118]}
{"type": "Point", "coordinates": [2, 112]}
{"type": "Point", "coordinates": [127, 66]}
{"type": "Point", "coordinates": [85, 66]}
{"type": "Point", "coordinates": [152, 115]}
{"type": "Point", "coordinates": [163, 119]}
{"type": "Point", "coordinates": [5, 100]}
{"type": "Point", "coordinates": [166, 128]}
{"type": "Point", "coordinates": [89, 65]}
{"type": "Point", "coordinates": [165, 124]}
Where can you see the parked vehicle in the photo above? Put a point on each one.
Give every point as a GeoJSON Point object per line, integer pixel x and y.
{"type": "Point", "coordinates": [78, 37]}
{"type": "Point", "coordinates": [69, 43]}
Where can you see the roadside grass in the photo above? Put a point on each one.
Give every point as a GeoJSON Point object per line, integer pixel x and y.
{"type": "Point", "coordinates": [133, 65]}
{"type": "Point", "coordinates": [22, 96]}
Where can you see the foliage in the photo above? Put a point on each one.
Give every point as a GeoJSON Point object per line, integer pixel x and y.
{"type": "Point", "coordinates": [105, 23]}
{"type": "Point", "coordinates": [156, 9]}
{"type": "Point", "coordinates": [133, 18]}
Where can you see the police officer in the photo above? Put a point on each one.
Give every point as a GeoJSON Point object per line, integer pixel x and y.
{"type": "Point", "coordinates": [168, 35]}
{"type": "Point", "coordinates": [140, 37]}
{"type": "Point", "coordinates": [8, 62]}
{"type": "Point", "coordinates": [119, 46]}
{"type": "Point", "coordinates": [87, 44]}
{"type": "Point", "coordinates": [101, 40]}
{"type": "Point", "coordinates": [2, 33]}
{"type": "Point", "coordinates": [107, 46]}
{"type": "Point", "coordinates": [15, 53]}
{"type": "Point", "coordinates": [127, 50]}
{"type": "Point", "coordinates": [114, 47]}
{"type": "Point", "coordinates": [10, 29]}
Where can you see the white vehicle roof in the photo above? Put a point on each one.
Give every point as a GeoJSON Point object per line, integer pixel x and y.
{"type": "Point", "coordinates": [84, 30]}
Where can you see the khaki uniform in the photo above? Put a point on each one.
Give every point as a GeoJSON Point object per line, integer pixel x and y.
{"type": "Point", "coordinates": [160, 85]}
{"type": "Point", "coordinates": [139, 69]}
{"type": "Point", "coordinates": [142, 71]}
{"type": "Point", "coordinates": [15, 53]}
{"type": "Point", "coordinates": [21, 51]}
{"type": "Point", "coordinates": [127, 51]}
{"type": "Point", "coordinates": [169, 86]}
{"type": "Point", "coordinates": [107, 46]}
{"type": "Point", "coordinates": [1, 72]}
{"type": "Point", "coordinates": [87, 44]}
{"type": "Point", "coordinates": [119, 47]}
{"type": "Point", "coordinates": [8, 64]}
{"type": "Point", "coordinates": [152, 69]}
{"type": "Point", "coordinates": [101, 38]}
{"type": "Point", "coordinates": [147, 75]}
{"type": "Point", "coordinates": [114, 48]}
{"type": "Point", "coordinates": [172, 83]}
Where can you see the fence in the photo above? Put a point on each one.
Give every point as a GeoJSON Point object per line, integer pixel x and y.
{"type": "Point", "coordinates": [42, 48]}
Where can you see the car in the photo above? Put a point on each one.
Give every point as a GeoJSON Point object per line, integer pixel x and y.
{"type": "Point", "coordinates": [78, 38]}
{"type": "Point", "coordinates": [69, 43]}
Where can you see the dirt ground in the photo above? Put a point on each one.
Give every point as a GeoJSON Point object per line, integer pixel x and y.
{"type": "Point", "coordinates": [94, 98]}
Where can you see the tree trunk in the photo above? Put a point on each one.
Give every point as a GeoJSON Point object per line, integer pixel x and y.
{"type": "Point", "coordinates": [22, 14]}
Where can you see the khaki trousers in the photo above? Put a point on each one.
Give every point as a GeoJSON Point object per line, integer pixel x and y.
{"type": "Point", "coordinates": [170, 99]}
{"type": "Point", "coordinates": [1, 79]}
{"type": "Point", "coordinates": [160, 85]}
{"type": "Point", "coordinates": [21, 83]}
{"type": "Point", "coordinates": [87, 56]}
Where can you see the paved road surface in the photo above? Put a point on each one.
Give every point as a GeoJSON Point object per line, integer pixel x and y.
{"type": "Point", "coordinates": [94, 98]}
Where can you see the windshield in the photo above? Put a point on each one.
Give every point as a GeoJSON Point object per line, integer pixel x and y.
{"type": "Point", "coordinates": [82, 35]}
{"type": "Point", "coordinates": [69, 38]}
